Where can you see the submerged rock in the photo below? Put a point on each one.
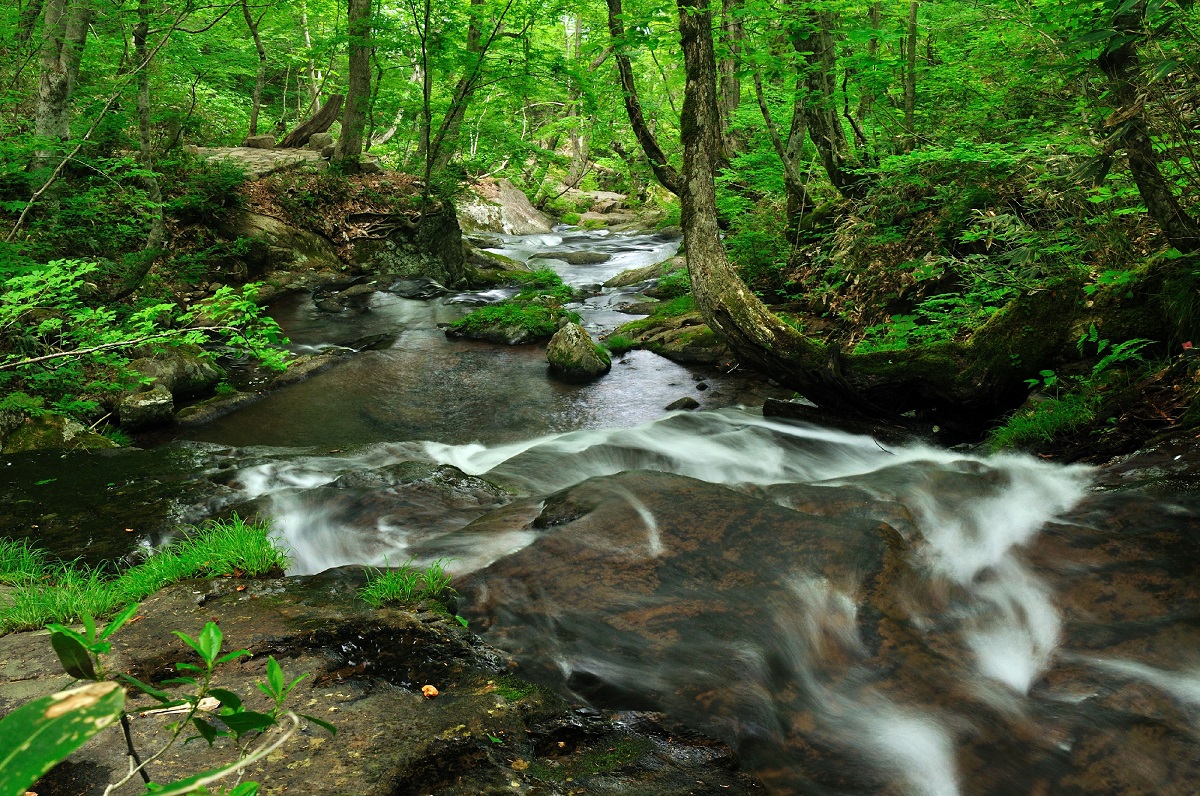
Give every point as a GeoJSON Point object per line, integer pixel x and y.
{"type": "Point", "coordinates": [573, 353]}
{"type": "Point", "coordinates": [576, 258]}
{"type": "Point", "coordinates": [485, 732]}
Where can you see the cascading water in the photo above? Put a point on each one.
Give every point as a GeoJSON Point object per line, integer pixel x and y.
{"type": "Point", "coordinates": [853, 617]}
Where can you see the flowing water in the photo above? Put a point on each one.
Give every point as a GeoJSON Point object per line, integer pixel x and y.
{"type": "Point", "coordinates": [854, 617]}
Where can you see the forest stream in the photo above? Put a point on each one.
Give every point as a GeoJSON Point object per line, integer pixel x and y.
{"type": "Point", "coordinates": [853, 615]}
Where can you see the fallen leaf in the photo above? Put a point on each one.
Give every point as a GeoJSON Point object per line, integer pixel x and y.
{"type": "Point", "coordinates": [429, 691]}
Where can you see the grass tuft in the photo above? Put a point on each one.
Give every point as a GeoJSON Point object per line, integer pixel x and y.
{"type": "Point", "coordinates": [406, 584]}
{"type": "Point", "coordinates": [63, 591]}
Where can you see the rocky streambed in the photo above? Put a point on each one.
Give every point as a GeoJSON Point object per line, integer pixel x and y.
{"type": "Point", "coordinates": [855, 613]}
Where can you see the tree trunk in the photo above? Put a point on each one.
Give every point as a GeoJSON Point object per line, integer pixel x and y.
{"type": "Point", "coordinates": [866, 100]}
{"type": "Point", "coordinates": [1122, 65]}
{"type": "Point", "coordinates": [753, 333]}
{"type": "Point", "coordinates": [910, 79]}
{"type": "Point", "coordinates": [64, 33]}
{"type": "Point", "coordinates": [358, 94]}
{"type": "Point", "coordinates": [158, 230]}
{"type": "Point", "coordinates": [732, 34]}
{"type": "Point", "coordinates": [28, 21]}
{"type": "Point", "coordinates": [664, 172]}
{"type": "Point", "coordinates": [260, 79]}
{"type": "Point", "coordinates": [319, 123]}
{"type": "Point", "coordinates": [314, 76]}
{"type": "Point", "coordinates": [798, 200]}
{"type": "Point", "coordinates": [817, 47]}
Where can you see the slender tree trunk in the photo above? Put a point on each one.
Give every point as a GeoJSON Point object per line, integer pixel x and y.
{"type": "Point", "coordinates": [28, 21]}
{"type": "Point", "coordinates": [755, 335]}
{"type": "Point", "coordinates": [799, 201]}
{"type": "Point", "coordinates": [664, 172]}
{"type": "Point", "coordinates": [866, 99]}
{"type": "Point", "coordinates": [358, 94]}
{"type": "Point", "coordinates": [260, 79]}
{"type": "Point", "coordinates": [314, 76]}
{"type": "Point", "coordinates": [578, 136]}
{"type": "Point", "coordinates": [158, 230]}
{"type": "Point", "coordinates": [444, 141]}
{"type": "Point", "coordinates": [910, 78]}
{"type": "Point", "coordinates": [730, 95]}
{"type": "Point", "coordinates": [1122, 65]}
{"type": "Point", "coordinates": [64, 33]}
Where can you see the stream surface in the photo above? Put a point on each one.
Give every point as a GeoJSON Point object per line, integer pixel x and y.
{"type": "Point", "coordinates": [853, 617]}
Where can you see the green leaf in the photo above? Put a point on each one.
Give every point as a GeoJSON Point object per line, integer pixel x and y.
{"type": "Point", "coordinates": [228, 698]}
{"type": "Point", "coordinates": [247, 721]}
{"type": "Point", "coordinates": [40, 733]}
{"type": "Point", "coordinates": [161, 696]}
{"type": "Point", "coordinates": [187, 667]}
{"type": "Point", "coordinates": [210, 643]}
{"type": "Point", "coordinates": [320, 723]}
{"type": "Point", "coordinates": [275, 677]}
{"type": "Point", "coordinates": [206, 730]}
{"type": "Point", "coordinates": [244, 789]}
{"type": "Point", "coordinates": [89, 626]}
{"type": "Point", "coordinates": [230, 656]}
{"type": "Point", "coordinates": [119, 621]}
{"type": "Point", "coordinates": [73, 655]}
{"type": "Point", "coordinates": [191, 642]}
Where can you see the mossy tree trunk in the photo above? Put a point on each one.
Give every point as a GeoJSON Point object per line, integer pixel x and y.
{"type": "Point", "coordinates": [1123, 67]}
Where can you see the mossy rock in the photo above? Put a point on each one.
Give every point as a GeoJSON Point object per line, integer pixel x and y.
{"type": "Point", "coordinates": [574, 355]}
{"type": "Point", "coordinates": [48, 431]}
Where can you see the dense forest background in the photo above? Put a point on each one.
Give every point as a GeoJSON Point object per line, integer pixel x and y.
{"type": "Point", "coordinates": [889, 176]}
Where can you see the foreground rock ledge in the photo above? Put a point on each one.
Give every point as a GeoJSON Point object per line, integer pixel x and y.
{"type": "Point", "coordinates": [366, 669]}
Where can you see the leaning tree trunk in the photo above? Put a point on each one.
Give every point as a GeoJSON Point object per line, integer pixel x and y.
{"type": "Point", "coordinates": [664, 172]}
{"type": "Point", "coordinates": [319, 123]}
{"type": "Point", "coordinates": [358, 94]}
{"type": "Point", "coordinates": [64, 33]}
{"type": "Point", "coordinates": [753, 333]}
{"type": "Point", "coordinates": [158, 231]}
{"type": "Point", "coordinates": [978, 375]}
{"type": "Point", "coordinates": [1123, 68]}
{"type": "Point", "coordinates": [730, 97]}
{"type": "Point", "coordinates": [910, 79]}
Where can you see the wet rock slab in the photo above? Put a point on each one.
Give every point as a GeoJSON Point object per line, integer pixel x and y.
{"type": "Point", "coordinates": [486, 732]}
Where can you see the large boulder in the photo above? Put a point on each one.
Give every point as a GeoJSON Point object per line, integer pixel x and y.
{"type": "Point", "coordinates": [280, 245]}
{"type": "Point", "coordinates": [184, 371]}
{"type": "Point", "coordinates": [429, 246]}
{"type": "Point", "coordinates": [572, 353]}
{"type": "Point", "coordinates": [318, 141]}
{"type": "Point", "coordinates": [499, 206]}
{"type": "Point", "coordinates": [259, 142]}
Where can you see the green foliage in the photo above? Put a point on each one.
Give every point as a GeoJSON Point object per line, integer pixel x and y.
{"type": "Point", "coordinates": [538, 320]}
{"type": "Point", "coordinates": [200, 191]}
{"type": "Point", "coordinates": [1074, 401]}
{"type": "Point", "coordinates": [406, 584]}
{"type": "Point", "coordinates": [61, 345]}
{"type": "Point", "coordinates": [63, 592]}
{"type": "Point", "coordinates": [619, 343]}
{"type": "Point", "coordinates": [38, 735]}
{"type": "Point", "coordinates": [674, 284]}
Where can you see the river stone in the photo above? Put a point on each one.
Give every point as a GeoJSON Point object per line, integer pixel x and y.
{"type": "Point", "coordinates": [183, 370]}
{"type": "Point", "coordinates": [686, 402]}
{"type": "Point", "coordinates": [318, 141]}
{"type": "Point", "coordinates": [417, 287]}
{"type": "Point", "coordinates": [573, 353]}
{"type": "Point", "coordinates": [139, 410]}
{"type": "Point", "coordinates": [50, 431]}
{"type": "Point", "coordinates": [364, 673]}
{"type": "Point", "coordinates": [647, 272]}
{"type": "Point", "coordinates": [496, 205]}
{"type": "Point", "coordinates": [576, 258]}
{"type": "Point", "coordinates": [259, 142]}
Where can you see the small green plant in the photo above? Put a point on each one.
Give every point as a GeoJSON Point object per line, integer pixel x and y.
{"type": "Point", "coordinates": [619, 343]}
{"type": "Point", "coordinates": [224, 389]}
{"type": "Point", "coordinates": [674, 284]}
{"type": "Point", "coordinates": [40, 734]}
{"type": "Point", "coordinates": [570, 217]}
{"type": "Point", "coordinates": [406, 584]}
